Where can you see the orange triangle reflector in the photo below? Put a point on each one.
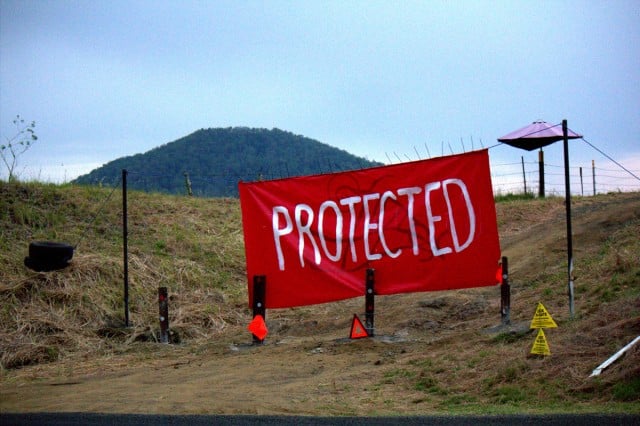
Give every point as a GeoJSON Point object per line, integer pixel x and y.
{"type": "Point", "coordinates": [358, 330]}
{"type": "Point", "coordinates": [258, 327]}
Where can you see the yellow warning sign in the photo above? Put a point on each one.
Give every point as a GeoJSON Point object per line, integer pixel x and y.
{"type": "Point", "coordinates": [540, 346]}
{"type": "Point", "coordinates": [542, 318]}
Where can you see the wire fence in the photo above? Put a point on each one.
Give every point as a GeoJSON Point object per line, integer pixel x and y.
{"type": "Point", "coordinates": [522, 177]}
{"type": "Point", "coordinates": [507, 178]}
{"type": "Point", "coordinates": [519, 177]}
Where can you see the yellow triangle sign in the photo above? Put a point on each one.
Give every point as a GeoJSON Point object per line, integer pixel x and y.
{"type": "Point", "coordinates": [542, 318]}
{"type": "Point", "coordinates": [540, 345]}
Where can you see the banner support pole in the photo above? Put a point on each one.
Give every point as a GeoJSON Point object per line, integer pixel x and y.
{"type": "Point", "coordinates": [125, 247]}
{"type": "Point", "coordinates": [259, 307]}
{"type": "Point", "coordinates": [505, 293]}
{"type": "Point", "coordinates": [369, 301]}
{"type": "Point", "coordinates": [163, 307]}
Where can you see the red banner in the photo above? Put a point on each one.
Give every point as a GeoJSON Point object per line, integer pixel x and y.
{"type": "Point", "coordinates": [423, 226]}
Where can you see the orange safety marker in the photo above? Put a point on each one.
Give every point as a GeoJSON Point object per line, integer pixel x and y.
{"type": "Point", "coordinates": [258, 327]}
{"type": "Point", "coordinates": [358, 330]}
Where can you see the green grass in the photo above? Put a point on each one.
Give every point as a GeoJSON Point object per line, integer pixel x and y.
{"type": "Point", "coordinates": [514, 197]}
{"type": "Point", "coordinates": [628, 390]}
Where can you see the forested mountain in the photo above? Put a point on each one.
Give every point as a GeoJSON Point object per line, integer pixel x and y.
{"type": "Point", "coordinates": [216, 159]}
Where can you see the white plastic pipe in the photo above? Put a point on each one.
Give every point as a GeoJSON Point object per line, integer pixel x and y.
{"type": "Point", "coordinates": [611, 360]}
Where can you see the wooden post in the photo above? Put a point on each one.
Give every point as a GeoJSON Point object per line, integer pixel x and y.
{"type": "Point", "coordinates": [187, 183]}
{"type": "Point", "coordinates": [370, 301]}
{"type": "Point", "coordinates": [163, 308]}
{"type": "Point", "coordinates": [524, 176]}
{"type": "Point", "coordinates": [505, 293]}
{"type": "Point", "coordinates": [581, 186]}
{"type": "Point", "coordinates": [125, 250]}
{"type": "Point", "coordinates": [259, 308]}
{"type": "Point", "coordinates": [541, 173]}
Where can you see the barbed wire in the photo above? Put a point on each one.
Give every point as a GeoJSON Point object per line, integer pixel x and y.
{"type": "Point", "coordinates": [503, 176]}
{"type": "Point", "coordinates": [512, 176]}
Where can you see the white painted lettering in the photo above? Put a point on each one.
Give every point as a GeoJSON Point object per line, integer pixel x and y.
{"type": "Point", "coordinates": [410, 192]}
{"type": "Point", "coordinates": [351, 201]}
{"type": "Point", "coordinates": [368, 226]}
{"type": "Point", "coordinates": [323, 241]}
{"type": "Point", "coordinates": [305, 229]}
{"type": "Point", "coordinates": [432, 219]}
{"type": "Point", "coordinates": [383, 241]}
{"type": "Point", "coordinates": [279, 232]}
{"type": "Point", "coordinates": [470, 212]}
{"type": "Point", "coordinates": [452, 191]}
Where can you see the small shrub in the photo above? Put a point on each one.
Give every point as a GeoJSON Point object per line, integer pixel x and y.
{"type": "Point", "coordinates": [391, 376]}
{"type": "Point", "coordinates": [508, 394]}
{"type": "Point", "coordinates": [627, 391]}
{"type": "Point", "coordinates": [430, 385]}
{"type": "Point", "coordinates": [508, 337]}
{"type": "Point", "coordinates": [460, 399]}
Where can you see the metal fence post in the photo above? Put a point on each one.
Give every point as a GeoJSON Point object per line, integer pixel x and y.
{"type": "Point", "coordinates": [541, 173]}
{"type": "Point", "coordinates": [163, 307]}
{"type": "Point", "coordinates": [505, 293]}
{"type": "Point", "coordinates": [125, 243]}
{"type": "Point", "coordinates": [259, 308]}
{"type": "Point", "coordinates": [370, 301]}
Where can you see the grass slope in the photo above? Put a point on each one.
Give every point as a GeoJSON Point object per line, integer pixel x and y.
{"type": "Point", "coordinates": [442, 352]}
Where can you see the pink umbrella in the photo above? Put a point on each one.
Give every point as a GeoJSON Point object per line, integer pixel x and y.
{"type": "Point", "coordinates": [536, 135]}
{"type": "Point", "coordinates": [539, 134]}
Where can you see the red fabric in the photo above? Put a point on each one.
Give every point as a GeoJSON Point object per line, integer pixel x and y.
{"type": "Point", "coordinates": [314, 237]}
{"type": "Point", "coordinates": [258, 327]}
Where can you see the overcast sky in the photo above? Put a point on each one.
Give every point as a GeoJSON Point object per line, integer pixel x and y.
{"type": "Point", "coordinates": [380, 79]}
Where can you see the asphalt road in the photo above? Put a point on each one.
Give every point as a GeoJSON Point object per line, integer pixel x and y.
{"type": "Point", "coordinates": [59, 419]}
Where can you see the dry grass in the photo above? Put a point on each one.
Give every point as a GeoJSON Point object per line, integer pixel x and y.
{"type": "Point", "coordinates": [445, 359]}
{"type": "Point", "coordinates": [192, 246]}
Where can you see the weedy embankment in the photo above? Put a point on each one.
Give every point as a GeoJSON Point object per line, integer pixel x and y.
{"type": "Point", "coordinates": [440, 353]}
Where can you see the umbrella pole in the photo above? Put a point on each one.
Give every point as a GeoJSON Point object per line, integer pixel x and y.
{"type": "Point", "coordinates": [567, 189]}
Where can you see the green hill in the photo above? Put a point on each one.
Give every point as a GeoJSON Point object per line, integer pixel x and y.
{"type": "Point", "coordinates": [216, 159]}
